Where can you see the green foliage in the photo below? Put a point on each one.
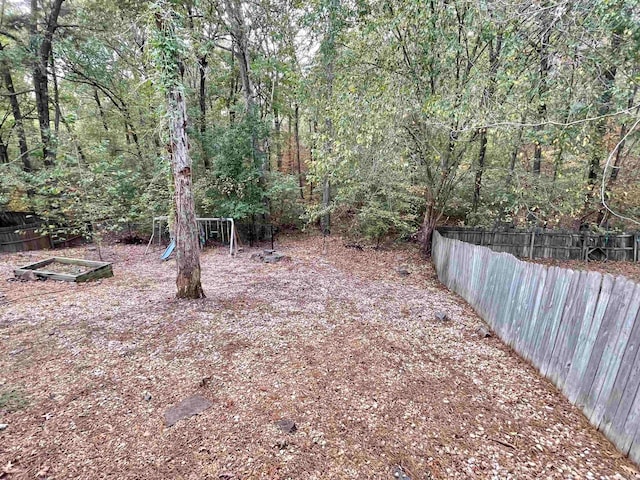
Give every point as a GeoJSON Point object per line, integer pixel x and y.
{"type": "Point", "coordinates": [283, 194]}
{"type": "Point", "coordinates": [76, 199]}
{"type": "Point", "coordinates": [233, 187]}
{"type": "Point", "coordinates": [392, 99]}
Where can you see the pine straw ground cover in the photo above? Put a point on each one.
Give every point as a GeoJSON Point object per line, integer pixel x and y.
{"type": "Point", "coordinates": [340, 343]}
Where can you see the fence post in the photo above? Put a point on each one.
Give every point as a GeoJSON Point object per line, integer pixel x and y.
{"type": "Point", "coordinates": [533, 239]}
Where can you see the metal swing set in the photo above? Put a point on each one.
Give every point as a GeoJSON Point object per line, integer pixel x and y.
{"type": "Point", "coordinates": [222, 229]}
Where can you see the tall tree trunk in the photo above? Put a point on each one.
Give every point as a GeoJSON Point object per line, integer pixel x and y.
{"type": "Point", "coordinates": [56, 95]}
{"type": "Point", "coordinates": [202, 68]}
{"type": "Point", "coordinates": [480, 169]}
{"type": "Point", "coordinates": [230, 100]}
{"type": "Point", "coordinates": [608, 80]}
{"type": "Point", "coordinates": [278, 138]}
{"type": "Point", "coordinates": [103, 117]}
{"type": "Point", "coordinates": [312, 134]}
{"type": "Point", "coordinates": [290, 141]}
{"type": "Point", "coordinates": [599, 144]}
{"type": "Point", "coordinates": [241, 49]}
{"type": "Point", "coordinates": [494, 57]}
{"type": "Point", "coordinates": [42, 42]}
{"type": "Point", "coordinates": [617, 162]}
{"type": "Point", "coordinates": [543, 53]}
{"type": "Point", "coordinates": [17, 116]}
{"type": "Point", "coordinates": [297, 132]}
{"type": "Point", "coordinates": [186, 228]}
{"type": "Point", "coordinates": [427, 228]}
{"type": "Point", "coordinates": [325, 221]}
{"type": "Point", "coordinates": [4, 152]}
{"type": "Point", "coordinates": [74, 137]}
{"type": "Point", "coordinates": [131, 130]}
{"type": "Point", "coordinates": [623, 132]}
{"type": "Point", "coordinates": [41, 87]}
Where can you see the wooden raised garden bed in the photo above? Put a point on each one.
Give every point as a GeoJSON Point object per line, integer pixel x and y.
{"type": "Point", "coordinates": [67, 269]}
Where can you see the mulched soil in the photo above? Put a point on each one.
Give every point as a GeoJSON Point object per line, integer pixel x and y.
{"type": "Point", "coordinates": [631, 270]}
{"type": "Point", "coordinates": [340, 343]}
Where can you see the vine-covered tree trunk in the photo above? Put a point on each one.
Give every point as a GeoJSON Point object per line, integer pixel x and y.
{"type": "Point", "coordinates": [167, 57]}
{"type": "Point", "coordinates": [186, 228]}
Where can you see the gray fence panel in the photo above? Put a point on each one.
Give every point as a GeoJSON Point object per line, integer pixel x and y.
{"type": "Point", "coordinates": [595, 372]}
{"type": "Point", "coordinates": [527, 329]}
{"type": "Point", "coordinates": [615, 348]}
{"type": "Point", "coordinates": [588, 336]}
{"type": "Point", "coordinates": [581, 300]}
{"type": "Point", "coordinates": [618, 406]}
{"type": "Point", "coordinates": [580, 329]}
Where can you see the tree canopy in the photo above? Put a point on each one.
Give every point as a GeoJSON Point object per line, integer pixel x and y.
{"type": "Point", "coordinates": [380, 118]}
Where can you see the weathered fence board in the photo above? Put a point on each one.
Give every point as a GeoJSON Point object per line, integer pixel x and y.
{"type": "Point", "coordinates": [595, 372]}
{"type": "Point", "coordinates": [614, 352]}
{"type": "Point", "coordinates": [624, 389]}
{"type": "Point", "coordinates": [588, 334]}
{"type": "Point", "coordinates": [580, 329]}
{"type": "Point", "coordinates": [543, 243]}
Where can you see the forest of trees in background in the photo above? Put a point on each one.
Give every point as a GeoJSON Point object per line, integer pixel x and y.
{"type": "Point", "coordinates": [375, 118]}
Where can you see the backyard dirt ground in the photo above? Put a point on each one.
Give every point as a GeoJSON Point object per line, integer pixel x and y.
{"type": "Point", "coordinates": [340, 343]}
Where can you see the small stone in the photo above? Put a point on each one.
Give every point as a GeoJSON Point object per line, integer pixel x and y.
{"type": "Point", "coordinates": [146, 396]}
{"type": "Point", "coordinates": [268, 252]}
{"type": "Point", "coordinates": [185, 409]}
{"type": "Point", "coordinates": [4, 426]}
{"type": "Point", "coordinates": [276, 257]}
{"type": "Point", "coordinates": [27, 276]}
{"type": "Point", "coordinates": [441, 316]}
{"type": "Point", "coordinates": [403, 271]}
{"type": "Point", "coordinates": [398, 472]}
{"type": "Point", "coordinates": [257, 257]}
{"type": "Point", "coordinates": [287, 426]}
{"type": "Point", "coordinates": [282, 444]}
{"type": "Point", "coordinates": [483, 332]}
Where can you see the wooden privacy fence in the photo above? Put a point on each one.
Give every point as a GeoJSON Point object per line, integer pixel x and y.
{"type": "Point", "coordinates": [17, 239]}
{"type": "Point", "coordinates": [580, 329]}
{"type": "Point", "coordinates": [539, 243]}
